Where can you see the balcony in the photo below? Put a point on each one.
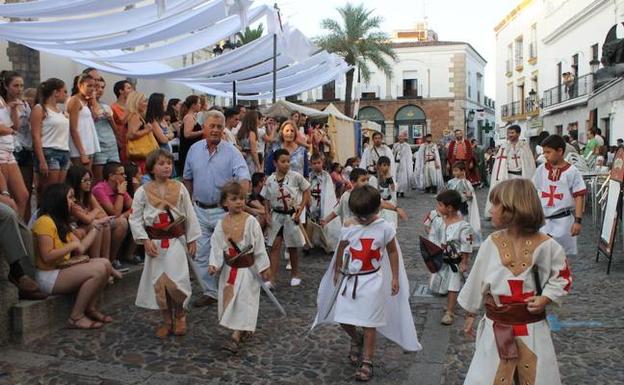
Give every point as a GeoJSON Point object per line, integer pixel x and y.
{"type": "Point", "coordinates": [579, 88]}
{"type": "Point", "coordinates": [520, 110]}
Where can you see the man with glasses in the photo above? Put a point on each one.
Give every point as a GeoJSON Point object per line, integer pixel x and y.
{"type": "Point", "coordinates": [112, 194]}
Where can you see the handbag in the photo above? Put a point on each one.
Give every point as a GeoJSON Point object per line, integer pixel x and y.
{"type": "Point", "coordinates": [73, 261]}
{"type": "Point", "coordinates": [141, 147]}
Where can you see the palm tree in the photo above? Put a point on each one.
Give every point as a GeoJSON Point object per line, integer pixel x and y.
{"type": "Point", "coordinates": [250, 34]}
{"type": "Point", "coordinates": [359, 42]}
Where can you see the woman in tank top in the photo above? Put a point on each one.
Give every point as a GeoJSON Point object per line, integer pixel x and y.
{"type": "Point", "coordinates": [84, 141]}
{"type": "Point", "coordinates": [50, 131]}
{"type": "Point", "coordinates": [191, 131]}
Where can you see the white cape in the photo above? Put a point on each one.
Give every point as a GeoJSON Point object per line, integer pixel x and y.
{"type": "Point", "coordinates": [419, 169]}
{"type": "Point", "coordinates": [331, 231]}
{"type": "Point", "coordinates": [399, 321]}
{"type": "Point", "coordinates": [404, 168]}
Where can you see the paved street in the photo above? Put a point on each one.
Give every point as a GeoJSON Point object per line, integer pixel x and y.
{"type": "Point", "coordinates": [588, 338]}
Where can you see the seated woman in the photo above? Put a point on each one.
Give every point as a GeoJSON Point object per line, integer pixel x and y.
{"type": "Point", "coordinates": [55, 246]}
{"type": "Point", "coordinates": [87, 209]}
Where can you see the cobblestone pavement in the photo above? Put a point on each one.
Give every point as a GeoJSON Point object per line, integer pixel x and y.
{"type": "Point", "coordinates": [588, 342]}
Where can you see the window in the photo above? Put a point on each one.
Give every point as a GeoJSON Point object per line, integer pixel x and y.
{"type": "Point", "coordinates": [329, 91]}
{"type": "Point", "coordinates": [479, 86]}
{"type": "Point", "coordinates": [509, 63]}
{"type": "Point", "coordinates": [594, 51]}
{"type": "Point", "coordinates": [369, 95]}
{"type": "Point", "coordinates": [410, 88]}
{"type": "Point", "coordinates": [575, 63]}
{"type": "Point", "coordinates": [533, 44]}
{"type": "Point", "coordinates": [519, 57]}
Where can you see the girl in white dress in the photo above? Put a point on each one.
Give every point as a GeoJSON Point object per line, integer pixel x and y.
{"type": "Point", "coordinates": [517, 273]}
{"type": "Point", "coordinates": [238, 233]}
{"type": "Point", "coordinates": [84, 142]}
{"type": "Point", "coordinates": [470, 209]}
{"type": "Point", "coordinates": [163, 221]}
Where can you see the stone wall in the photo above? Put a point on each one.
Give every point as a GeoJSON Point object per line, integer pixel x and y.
{"type": "Point", "coordinates": [24, 60]}
{"type": "Point", "coordinates": [8, 299]}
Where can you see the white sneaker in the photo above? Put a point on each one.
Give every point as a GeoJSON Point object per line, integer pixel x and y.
{"type": "Point", "coordinates": [295, 281]}
{"type": "Point", "coordinates": [288, 266]}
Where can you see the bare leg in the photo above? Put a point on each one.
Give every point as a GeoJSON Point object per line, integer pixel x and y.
{"type": "Point", "coordinates": [106, 242]}
{"type": "Point", "coordinates": [294, 261]}
{"type": "Point", "coordinates": [370, 335]}
{"type": "Point", "coordinates": [350, 329]}
{"type": "Point", "coordinates": [119, 232]}
{"type": "Point", "coordinates": [86, 278]}
{"type": "Point", "coordinates": [16, 186]}
{"type": "Point", "coordinates": [451, 301]}
{"type": "Point", "coordinates": [27, 174]}
{"type": "Point", "coordinates": [276, 249]}
{"type": "Point", "coordinates": [96, 247]}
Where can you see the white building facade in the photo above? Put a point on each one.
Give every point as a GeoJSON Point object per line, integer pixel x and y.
{"type": "Point", "coordinates": [547, 54]}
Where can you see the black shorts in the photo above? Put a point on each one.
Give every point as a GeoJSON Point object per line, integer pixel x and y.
{"type": "Point", "coordinates": [24, 158]}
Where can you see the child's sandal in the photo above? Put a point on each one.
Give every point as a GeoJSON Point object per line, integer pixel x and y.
{"type": "Point", "coordinates": [365, 371]}
{"type": "Point", "coordinates": [164, 330]}
{"type": "Point", "coordinates": [180, 326]}
{"type": "Point", "coordinates": [231, 346]}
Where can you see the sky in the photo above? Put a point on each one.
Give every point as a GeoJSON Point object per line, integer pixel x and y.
{"type": "Point", "coordinates": [471, 21]}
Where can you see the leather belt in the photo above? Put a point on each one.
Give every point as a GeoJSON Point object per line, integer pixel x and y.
{"type": "Point", "coordinates": [504, 317]}
{"type": "Point", "coordinates": [514, 172]}
{"type": "Point", "coordinates": [284, 212]}
{"type": "Point", "coordinates": [204, 206]}
{"type": "Point", "coordinates": [355, 284]}
{"type": "Point", "coordinates": [561, 214]}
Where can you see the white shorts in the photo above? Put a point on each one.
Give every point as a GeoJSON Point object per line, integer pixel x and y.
{"type": "Point", "coordinates": [46, 279]}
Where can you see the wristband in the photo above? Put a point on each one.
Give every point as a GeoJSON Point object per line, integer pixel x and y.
{"type": "Point", "coordinates": [578, 220]}
{"type": "Point", "coordinates": [5, 193]}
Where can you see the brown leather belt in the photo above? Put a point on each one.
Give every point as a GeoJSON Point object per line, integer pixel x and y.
{"type": "Point", "coordinates": [245, 260]}
{"type": "Point", "coordinates": [175, 231]}
{"type": "Point", "coordinates": [504, 317]}
{"type": "Point", "coordinates": [205, 206]}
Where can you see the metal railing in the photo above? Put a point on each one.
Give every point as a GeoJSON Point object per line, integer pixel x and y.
{"type": "Point", "coordinates": [581, 86]}
{"type": "Point", "coordinates": [511, 109]}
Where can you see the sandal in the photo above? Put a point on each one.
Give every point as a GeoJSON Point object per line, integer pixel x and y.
{"type": "Point", "coordinates": [356, 348]}
{"type": "Point", "coordinates": [99, 316]}
{"type": "Point", "coordinates": [365, 371]}
{"type": "Point", "coordinates": [231, 346]}
{"type": "Point", "coordinates": [73, 323]}
{"type": "Point", "coordinates": [245, 336]}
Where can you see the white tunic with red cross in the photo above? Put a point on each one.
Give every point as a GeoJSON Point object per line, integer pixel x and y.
{"type": "Point", "coordinates": [557, 189]}
{"type": "Point", "coordinates": [489, 275]}
{"type": "Point", "coordinates": [361, 301]}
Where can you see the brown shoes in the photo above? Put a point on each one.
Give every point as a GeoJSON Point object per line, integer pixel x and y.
{"type": "Point", "coordinates": [203, 301]}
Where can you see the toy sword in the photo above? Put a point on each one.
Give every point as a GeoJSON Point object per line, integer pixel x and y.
{"type": "Point", "coordinates": [334, 297]}
{"type": "Point", "coordinates": [257, 276]}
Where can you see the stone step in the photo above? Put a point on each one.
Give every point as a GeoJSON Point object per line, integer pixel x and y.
{"type": "Point", "coordinates": [31, 320]}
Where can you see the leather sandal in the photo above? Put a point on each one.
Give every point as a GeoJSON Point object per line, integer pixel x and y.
{"type": "Point", "coordinates": [99, 316]}
{"type": "Point", "coordinates": [164, 330]}
{"type": "Point", "coordinates": [180, 325]}
{"type": "Point", "coordinates": [231, 346]}
{"type": "Point", "coordinates": [365, 371]}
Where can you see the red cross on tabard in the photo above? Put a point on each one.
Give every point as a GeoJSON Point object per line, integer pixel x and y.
{"type": "Point", "coordinates": [163, 221]}
{"type": "Point", "coordinates": [566, 274]}
{"type": "Point", "coordinates": [552, 196]}
{"type": "Point", "coordinates": [515, 157]}
{"type": "Point", "coordinates": [367, 254]}
{"type": "Point", "coordinates": [316, 191]}
{"type": "Point", "coordinates": [284, 196]}
{"type": "Point", "coordinates": [517, 296]}
{"type": "Point", "coordinates": [470, 238]}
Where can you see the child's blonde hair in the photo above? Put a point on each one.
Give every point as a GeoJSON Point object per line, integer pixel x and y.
{"type": "Point", "coordinates": [520, 204]}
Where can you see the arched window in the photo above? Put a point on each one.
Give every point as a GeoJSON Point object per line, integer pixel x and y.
{"type": "Point", "coordinates": [412, 119]}
{"type": "Point", "coordinates": [374, 115]}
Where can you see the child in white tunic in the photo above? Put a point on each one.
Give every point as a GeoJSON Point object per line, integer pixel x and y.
{"type": "Point", "coordinates": [322, 202]}
{"type": "Point", "coordinates": [454, 236]}
{"type": "Point", "coordinates": [369, 268]}
{"type": "Point", "coordinates": [517, 272]}
{"type": "Point", "coordinates": [470, 209]}
{"type": "Point", "coordinates": [358, 178]}
{"type": "Point", "coordinates": [287, 194]}
{"type": "Point", "coordinates": [239, 281]}
{"type": "Point", "coordinates": [561, 190]}
{"type": "Point", "coordinates": [156, 223]}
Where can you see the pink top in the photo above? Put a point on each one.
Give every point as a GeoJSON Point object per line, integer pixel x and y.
{"type": "Point", "coordinates": [104, 193]}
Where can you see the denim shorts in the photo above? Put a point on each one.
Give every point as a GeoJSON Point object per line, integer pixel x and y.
{"type": "Point", "coordinates": [106, 155]}
{"type": "Point", "coordinates": [56, 159]}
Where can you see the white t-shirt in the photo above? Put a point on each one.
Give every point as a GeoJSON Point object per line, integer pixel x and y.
{"type": "Point", "coordinates": [7, 142]}
{"type": "Point", "coordinates": [261, 145]}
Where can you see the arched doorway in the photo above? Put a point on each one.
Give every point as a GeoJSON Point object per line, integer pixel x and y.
{"type": "Point", "coordinates": [412, 119]}
{"type": "Point", "coordinates": [374, 115]}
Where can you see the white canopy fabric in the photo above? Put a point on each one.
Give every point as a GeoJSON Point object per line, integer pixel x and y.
{"type": "Point", "coordinates": [334, 111]}
{"type": "Point", "coordinates": [284, 108]}
{"type": "Point", "coordinates": [54, 8]}
{"type": "Point", "coordinates": [184, 27]}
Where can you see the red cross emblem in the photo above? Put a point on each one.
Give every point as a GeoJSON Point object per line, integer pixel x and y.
{"type": "Point", "coordinates": [515, 157]}
{"type": "Point", "coordinates": [500, 158]}
{"type": "Point", "coordinates": [566, 274]}
{"type": "Point", "coordinates": [517, 296]}
{"type": "Point", "coordinates": [366, 255]}
{"type": "Point", "coordinates": [163, 221]}
{"type": "Point", "coordinates": [284, 197]}
{"type": "Point", "coordinates": [552, 196]}
{"type": "Point", "coordinates": [470, 238]}
{"type": "Point", "coordinates": [316, 191]}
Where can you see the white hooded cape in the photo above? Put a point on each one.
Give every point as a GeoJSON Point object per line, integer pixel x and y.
{"type": "Point", "coordinates": [404, 168]}
{"type": "Point", "coordinates": [331, 231]}
{"type": "Point", "coordinates": [399, 321]}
